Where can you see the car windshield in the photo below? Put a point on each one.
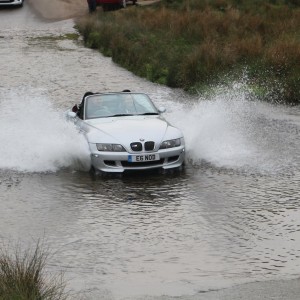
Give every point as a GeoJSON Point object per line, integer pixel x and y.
{"type": "Point", "coordinates": [117, 105]}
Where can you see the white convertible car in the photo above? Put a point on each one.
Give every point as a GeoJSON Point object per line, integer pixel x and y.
{"type": "Point", "coordinates": [18, 3]}
{"type": "Point", "coordinates": [125, 131]}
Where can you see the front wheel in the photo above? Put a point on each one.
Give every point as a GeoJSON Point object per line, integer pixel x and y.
{"type": "Point", "coordinates": [105, 7]}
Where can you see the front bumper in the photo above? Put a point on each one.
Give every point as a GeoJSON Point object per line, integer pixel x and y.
{"type": "Point", "coordinates": [11, 2]}
{"type": "Point", "coordinates": [118, 161]}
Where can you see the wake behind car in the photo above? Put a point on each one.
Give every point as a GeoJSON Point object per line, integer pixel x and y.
{"type": "Point", "coordinates": [125, 131]}
{"type": "Point", "coordinates": [18, 3]}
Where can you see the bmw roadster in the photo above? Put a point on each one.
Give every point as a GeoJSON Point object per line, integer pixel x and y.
{"type": "Point", "coordinates": [125, 131]}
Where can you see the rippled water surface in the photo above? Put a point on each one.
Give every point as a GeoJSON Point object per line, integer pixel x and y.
{"type": "Point", "coordinates": [232, 216]}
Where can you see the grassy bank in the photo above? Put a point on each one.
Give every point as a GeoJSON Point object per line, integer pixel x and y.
{"type": "Point", "coordinates": [193, 44]}
{"type": "Point", "coordinates": [22, 277]}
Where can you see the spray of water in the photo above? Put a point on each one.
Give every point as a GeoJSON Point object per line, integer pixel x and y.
{"type": "Point", "coordinates": [35, 137]}
{"type": "Point", "coordinates": [231, 129]}
{"type": "Point", "coordinates": [228, 129]}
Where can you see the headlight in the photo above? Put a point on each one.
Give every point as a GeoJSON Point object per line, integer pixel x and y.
{"type": "Point", "coordinates": [170, 144]}
{"type": "Point", "coordinates": [110, 147]}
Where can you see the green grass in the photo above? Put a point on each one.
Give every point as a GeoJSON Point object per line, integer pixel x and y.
{"type": "Point", "coordinates": [23, 276]}
{"type": "Point", "coordinates": [193, 43]}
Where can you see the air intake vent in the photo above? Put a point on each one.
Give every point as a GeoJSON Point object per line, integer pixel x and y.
{"type": "Point", "coordinates": [149, 146]}
{"type": "Point", "coordinates": [136, 146]}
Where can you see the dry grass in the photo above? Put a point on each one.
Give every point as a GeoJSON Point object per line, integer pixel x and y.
{"type": "Point", "coordinates": [185, 46]}
{"type": "Point", "coordinates": [23, 277]}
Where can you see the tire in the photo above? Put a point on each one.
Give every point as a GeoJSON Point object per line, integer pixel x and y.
{"type": "Point", "coordinates": [93, 172]}
{"type": "Point", "coordinates": [92, 5]}
{"type": "Point", "coordinates": [106, 7]}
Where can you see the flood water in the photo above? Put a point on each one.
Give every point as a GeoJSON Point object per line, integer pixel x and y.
{"type": "Point", "coordinates": [232, 216]}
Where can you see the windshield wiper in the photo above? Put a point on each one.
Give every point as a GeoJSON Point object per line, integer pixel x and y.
{"type": "Point", "coordinates": [148, 114]}
{"type": "Point", "coordinates": [125, 115]}
{"type": "Point", "coordinates": [121, 115]}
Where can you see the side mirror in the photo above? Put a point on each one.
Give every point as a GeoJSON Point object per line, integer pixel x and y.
{"type": "Point", "coordinates": [162, 110]}
{"type": "Point", "coordinates": [71, 114]}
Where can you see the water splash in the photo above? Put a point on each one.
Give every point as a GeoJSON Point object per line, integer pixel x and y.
{"type": "Point", "coordinates": [232, 129]}
{"type": "Point", "coordinates": [35, 137]}
{"type": "Point", "coordinates": [228, 129]}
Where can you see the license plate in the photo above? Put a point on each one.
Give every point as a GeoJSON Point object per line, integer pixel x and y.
{"type": "Point", "coordinates": [143, 158]}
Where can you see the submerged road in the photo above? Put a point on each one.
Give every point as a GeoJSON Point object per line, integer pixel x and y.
{"type": "Point", "coordinates": [228, 227]}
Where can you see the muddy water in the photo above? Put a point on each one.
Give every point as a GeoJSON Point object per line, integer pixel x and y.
{"type": "Point", "coordinates": [232, 216]}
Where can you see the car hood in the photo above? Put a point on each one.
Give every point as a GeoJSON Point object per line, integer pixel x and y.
{"type": "Point", "coordinates": [125, 130]}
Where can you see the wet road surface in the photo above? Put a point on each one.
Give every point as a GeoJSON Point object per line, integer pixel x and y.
{"type": "Point", "coordinates": [231, 217]}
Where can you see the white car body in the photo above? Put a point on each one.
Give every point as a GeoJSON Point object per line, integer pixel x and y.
{"type": "Point", "coordinates": [11, 2]}
{"type": "Point", "coordinates": [122, 140]}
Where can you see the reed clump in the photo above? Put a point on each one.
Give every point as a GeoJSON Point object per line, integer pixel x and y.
{"type": "Point", "coordinates": [190, 43]}
{"type": "Point", "coordinates": [23, 277]}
